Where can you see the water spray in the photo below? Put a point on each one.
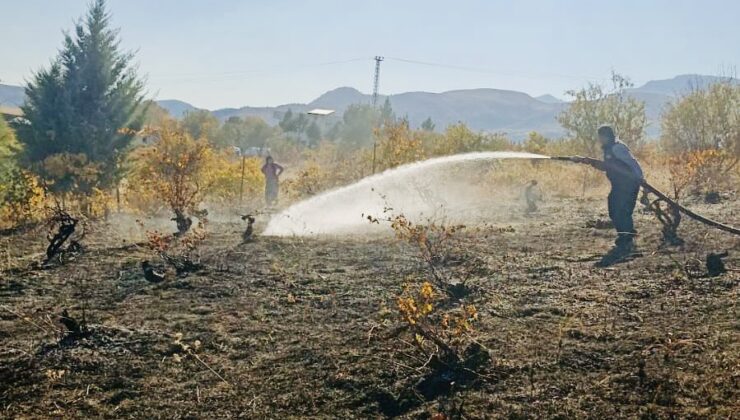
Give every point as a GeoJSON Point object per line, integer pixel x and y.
{"type": "Point", "coordinates": [412, 189]}
{"type": "Point", "coordinates": [600, 165]}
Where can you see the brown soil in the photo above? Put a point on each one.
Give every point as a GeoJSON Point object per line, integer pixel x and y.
{"type": "Point", "coordinates": [290, 327]}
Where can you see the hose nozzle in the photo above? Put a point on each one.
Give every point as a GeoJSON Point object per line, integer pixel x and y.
{"type": "Point", "coordinates": [564, 158]}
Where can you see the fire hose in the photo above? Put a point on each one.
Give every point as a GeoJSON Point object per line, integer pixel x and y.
{"type": "Point", "coordinates": [601, 165]}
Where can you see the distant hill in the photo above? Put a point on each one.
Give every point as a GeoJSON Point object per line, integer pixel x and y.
{"type": "Point", "coordinates": [11, 96]}
{"type": "Point", "coordinates": [514, 113]}
{"type": "Point", "coordinates": [657, 94]}
{"type": "Point", "coordinates": [175, 107]}
{"type": "Point", "coordinates": [549, 99]}
{"type": "Point", "coordinates": [511, 112]}
{"type": "Point", "coordinates": [271, 115]}
{"type": "Point", "coordinates": [678, 85]}
{"type": "Point", "coordinates": [482, 109]}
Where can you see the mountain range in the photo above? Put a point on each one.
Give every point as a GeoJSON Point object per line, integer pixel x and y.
{"type": "Point", "coordinates": [511, 112]}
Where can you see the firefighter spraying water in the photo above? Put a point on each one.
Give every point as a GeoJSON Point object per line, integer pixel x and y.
{"type": "Point", "coordinates": [626, 177]}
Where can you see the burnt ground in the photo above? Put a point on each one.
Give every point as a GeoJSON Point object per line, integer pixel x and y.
{"type": "Point", "coordinates": [290, 327]}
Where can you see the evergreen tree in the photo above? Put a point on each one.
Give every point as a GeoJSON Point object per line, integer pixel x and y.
{"type": "Point", "coordinates": [313, 132]}
{"type": "Point", "coordinates": [428, 124]}
{"type": "Point", "coordinates": [85, 105]}
{"type": "Point", "coordinates": [387, 116]}
{"type": "Point", "coordinates": [286, 123]}
{"type": "Point", "coordinates": [358, 123]}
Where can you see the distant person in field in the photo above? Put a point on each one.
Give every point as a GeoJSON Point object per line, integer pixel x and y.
{"type": "Point", "coordinates": [532, 196]}
{"type": "Point", "coordinates": [625, 175]}
{"type": "Point", "coordinates": [272, 173]}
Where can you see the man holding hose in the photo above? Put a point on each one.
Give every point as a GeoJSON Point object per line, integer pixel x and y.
{"type": "Point", "coordinates": [625, 175]}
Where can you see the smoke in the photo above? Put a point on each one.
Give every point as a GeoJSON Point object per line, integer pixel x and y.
{"type": "Point", "coordinates": [450, 188]}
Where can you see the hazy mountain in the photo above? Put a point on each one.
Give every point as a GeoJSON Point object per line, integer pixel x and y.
{"type": "Point", "coordinates": [175, 107]}
{"type": "Point", "coordinates": [679, 85]}
{"type": "Point", "coordinates": [549, 99]}
{"type": "Point", "coordinates": [271, 115]}
{"type": "Point", "coordinates": [657, 94]}
{"type": "Point", "coordinates": [514, 113]}
{"type": "Point", "coordinates": [11, 96]}
{"type": "Point", "coordinates": [482, 109]}
{"type": "Point", "coordinates": [341, 98]}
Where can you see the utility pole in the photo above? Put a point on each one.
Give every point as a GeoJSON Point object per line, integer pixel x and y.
{"type": "Point", "coordinates": [241, 185]}
{"type": "Point", "coordinates": [376, 82]}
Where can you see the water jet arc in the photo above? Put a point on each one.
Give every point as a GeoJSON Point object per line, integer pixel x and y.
{"type": "Point", "coordinates": [341, 209]}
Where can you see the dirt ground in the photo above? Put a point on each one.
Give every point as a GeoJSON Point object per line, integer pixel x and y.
{"type": "Point", "coordinates": [307, 327]}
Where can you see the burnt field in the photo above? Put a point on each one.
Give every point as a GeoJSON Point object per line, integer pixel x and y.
{"type": "Point", "coordinates": [306, 327]}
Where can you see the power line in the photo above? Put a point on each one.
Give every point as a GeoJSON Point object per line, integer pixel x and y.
{"type": "Point", "coordinates": [237, 74]}
{"type": "Point", "coordinates": [491, 71]}
{"type": "Point", "coordinates": [242, 74]}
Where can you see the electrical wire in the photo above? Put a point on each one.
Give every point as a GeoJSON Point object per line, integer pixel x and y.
{"type": "Point", "coordinates": [240, 74]}
{"type": "Point", "coordinates": [497, 72]}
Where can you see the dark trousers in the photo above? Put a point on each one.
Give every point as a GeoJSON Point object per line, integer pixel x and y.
{"type": "Point", "coordinates": [271, 190]}
{"type": "Point", "coordinates": [622, 199]}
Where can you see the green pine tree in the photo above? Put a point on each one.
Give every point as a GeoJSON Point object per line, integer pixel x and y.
{"type": "Point", "coordinates": [387, 116]}
{"type": "Point", "coordinates": [428, 124]}
{"type": "Point", "coordinates": [85, 105]}
{"type": "Point", "coordinates": [313, 132]}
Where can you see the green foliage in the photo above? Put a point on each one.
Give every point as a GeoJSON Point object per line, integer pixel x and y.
{"type": "Point", "coordinates": [594, 106]}
{"type": "Point", "coordinates": [21, 198]}
{"type": "Point", "coordinates": [428, 124]}
{"type": "Point", "coordinates": [87, 102]}
{"type": "Point", "coordinates": [294, 123]}
{"type": "Point", "coordinates": [536, 143]}
{"type": "Point", "coordinates": [704, 120]}
{"type": "Point", "coordinates": [245, 133]}
{"type": "Point", "coordinates": [357, 126]}
{"type": "Point", "coordinates": [19, 192]}
{"type": "Point", "coordinates": [313, 132]}
{"type": "Point", "coordinates": [387, 115]}
{"type": "Point", "coordinates": [397, 144]}
{"type": "Point", "coordinates": [155, 115]}
{"type": "Point", "coordinates": [458, 138]}
{"type": "Point", "coordinates": [8, 146]}
{"type": "Point", "coordinates": [200, 124]}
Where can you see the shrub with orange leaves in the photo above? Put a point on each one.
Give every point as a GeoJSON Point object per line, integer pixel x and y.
{"type": "Point", "coordinates": [223, 180]}
{"type": "Point", "coordinates": [439, 248]}
{"type": "Point", "coordinates": [158, 241]}
{"type": "Point", "coordinates": [325, 167]}
{"type": "Point", "coordinates": [431, 238]}
{"type": "Point", "coordinates": [396, 144]}
{"type": "Point", "coordinates": [172, 168]}
{"type": "Point", "coordinates": [180, 172]}
{"type": "Point", "coordinates": [436, 333]}
{"type": "Point", "coordinates": [700, 171]}
{"type": "Point", "coordinates": [22, 199]}
{"type": "Point", "coordinates": [310, 179]}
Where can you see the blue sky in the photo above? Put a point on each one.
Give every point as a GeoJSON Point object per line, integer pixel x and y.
{"type": "Point", "coordinates": [221, 53]}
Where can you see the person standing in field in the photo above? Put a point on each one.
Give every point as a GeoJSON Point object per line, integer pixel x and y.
{"type": "Point", "coordinates": [625, 176]}
{"type": "Point", "coordinates": [532, 196]}
{"type": "Point", "coordinates": [272, 173]}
